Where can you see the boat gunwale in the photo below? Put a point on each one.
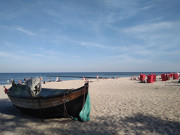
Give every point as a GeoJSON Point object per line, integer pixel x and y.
{"type": "Point", "coordinates": [86, 85]}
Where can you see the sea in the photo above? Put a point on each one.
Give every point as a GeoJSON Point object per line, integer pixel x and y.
{"type": "Point", "coordinates": [4, 77]}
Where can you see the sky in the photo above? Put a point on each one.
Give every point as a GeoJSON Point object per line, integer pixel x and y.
{"type": "Point", "coordinates": [89, 36]}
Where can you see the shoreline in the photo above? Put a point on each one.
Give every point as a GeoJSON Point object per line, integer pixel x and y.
{"type": "Point", "coordinates": [52, 75]}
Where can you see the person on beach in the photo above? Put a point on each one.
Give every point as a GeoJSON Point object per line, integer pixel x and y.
{"type": "Point", "coordinates": [57, 79]}
{"type": "Point", "coordinates": [48, 80]}
{"type": "Point", "coordinates": [97, 78]}
{"type": "Point", "coordinates": [24, 80]}
{"type": "Point", "coordinates": [86, 80]}
{"type": "Point", "coordinates": [12, 82]}
{"type": "Point", "coordinates": [19, 81]}
{"type": "Point", "coordinates": [7, 81]}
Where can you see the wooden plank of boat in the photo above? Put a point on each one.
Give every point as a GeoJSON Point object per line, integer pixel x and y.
{"type": "Point", "coordinates": [51, 104]}
{"type": "Point", "coordinates": [33, 103]}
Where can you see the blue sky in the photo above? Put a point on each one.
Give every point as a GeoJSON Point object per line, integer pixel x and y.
{"type": "Point", "coordinates": [89, 35]}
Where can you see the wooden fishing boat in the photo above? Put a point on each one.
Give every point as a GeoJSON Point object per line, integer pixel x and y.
{"type": "Point", "coordinates": [52, 102]}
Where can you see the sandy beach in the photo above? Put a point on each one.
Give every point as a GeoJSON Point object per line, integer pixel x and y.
{"type": "Point", "coordinates": [118, 106]}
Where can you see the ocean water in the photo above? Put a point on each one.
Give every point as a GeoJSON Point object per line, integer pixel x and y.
{"type": "Point", "coordinates": [67, 75]}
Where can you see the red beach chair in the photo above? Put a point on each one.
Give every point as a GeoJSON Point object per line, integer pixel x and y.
{"type": "Point", "coordinates": [142, 77]}
{"type": "Point", "coordinates": [163, 77]}
{"type": "Point", "coordinates": [167, 77]}
{"type": "Point", "coordinates": [176, 76]}
{"type": "Point", "coordinates": [154, 77]}
{"type": "Point", "coordinates": [150, 79]}
{"type": "Point", "coordinates": [170, 75]}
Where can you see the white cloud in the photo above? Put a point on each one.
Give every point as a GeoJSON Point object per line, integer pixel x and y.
{"type": "Point", "coordinates": [127, 9]}
{"type": "Point", "coordinates": [23, 30]}
{"type": "Point", "coordinates": [90, 44]}
{"type": "Point", "coordinates": [19, 29]}
{"type": "Point", "coordinates": [149, 27]}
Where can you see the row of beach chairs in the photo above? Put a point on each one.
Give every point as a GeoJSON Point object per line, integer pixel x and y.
{"type": "Point", "coordinates": [151, 78]}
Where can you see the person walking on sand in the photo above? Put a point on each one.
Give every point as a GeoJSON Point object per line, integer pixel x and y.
{"type": "Point", "coordinates": [97, 78]}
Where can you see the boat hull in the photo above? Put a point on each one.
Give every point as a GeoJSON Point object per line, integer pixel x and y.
{"type": "Point", "coordinates": [68, 109]}
{"type": "Point", "coordinates": [70, 104]}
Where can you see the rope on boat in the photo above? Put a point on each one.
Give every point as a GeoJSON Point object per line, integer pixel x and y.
{"type": "Point", "coordinates": [40, 109]}
{"type": "Point", "coordinates": [66, 115]}
{"type": "Point", "coordinates": [59, 111]}
{"type": "Point", "coordinates": [65, 110]}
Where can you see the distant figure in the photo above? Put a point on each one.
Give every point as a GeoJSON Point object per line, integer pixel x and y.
{"type": "Point", "coordinates": [7, 81]}
{"type": "Point", "coordinates": [97, 78]}
{"type": "Point", "coordinates": [86, 80]}
{"type": "Point", "coordinates": [133, 77]}
{"type": "Point", "coordinates": [24, 80]}
{"type": "Point", "coordinates": [57, 79]}
{"type": "Point", "coordinates": [19, 81]}
{"type": "Point", "coordinates": [41, 78]}
{"type": "Point", "coordinates": [48, 80]}
{"type": "Point", "coordinates": [12, 82]}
